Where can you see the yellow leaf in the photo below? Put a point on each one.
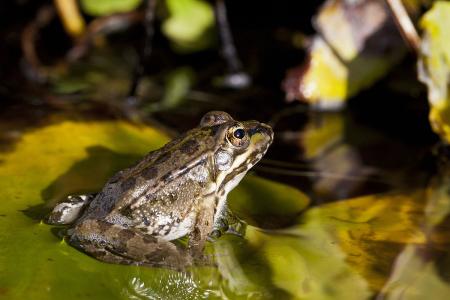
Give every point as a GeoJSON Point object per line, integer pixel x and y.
{"type": "Point", "coordinates": [434, 65]}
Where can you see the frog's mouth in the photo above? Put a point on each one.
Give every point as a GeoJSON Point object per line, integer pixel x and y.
{"type": "Point", "coordinates": [261, 137]}
{"type": "Point", "coordinates": [261, 129]}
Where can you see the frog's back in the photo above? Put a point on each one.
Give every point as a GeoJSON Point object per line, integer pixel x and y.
{"type": "Point", "coordinates": [174, 166]}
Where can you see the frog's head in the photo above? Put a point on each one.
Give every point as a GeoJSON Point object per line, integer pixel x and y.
{"type": "Point", "coordinates": [239, 146]}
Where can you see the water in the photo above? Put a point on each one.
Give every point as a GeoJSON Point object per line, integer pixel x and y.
{"type": "Point", "coordinates": [350, 212]}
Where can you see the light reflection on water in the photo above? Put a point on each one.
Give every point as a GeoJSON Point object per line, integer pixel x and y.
{"type": "Point", "coordinates": [174, 285]}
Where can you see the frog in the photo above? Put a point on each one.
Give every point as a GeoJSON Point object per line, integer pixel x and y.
{"type": "Point", "coordinates": [175, 192]}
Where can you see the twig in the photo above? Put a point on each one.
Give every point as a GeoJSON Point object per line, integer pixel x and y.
{"type": "Point", "coordinates": [404, 24]}
{"type": "Point", "coordinates": [34, 68]}
{"type": "Point", "coordinates": [71, 17]}
{"type": "Point", "coordinates": [103, 25]}
{"type": "Point", "coordinates": [229, 52]}
{"type": "Point", "coordinates": [149, 25]}
{"type": "Point", "coordinates": [236, 77]}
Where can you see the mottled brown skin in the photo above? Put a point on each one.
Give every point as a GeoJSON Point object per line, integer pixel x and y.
{"type": "Point", "coordinates": [174, 191]}
{"type": "Point", "coordinates": [127, 246]}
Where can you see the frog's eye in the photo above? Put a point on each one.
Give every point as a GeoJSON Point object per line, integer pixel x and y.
{"type": "Point", "coordinates": [239, 133]}
{"type": "Point", "coordinates": [237, 136]}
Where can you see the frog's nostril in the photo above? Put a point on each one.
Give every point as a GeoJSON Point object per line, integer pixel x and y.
{"type": "Point", "coordinates": [266, 130]}
{"type": "Point", "coordinates": [262, 128]}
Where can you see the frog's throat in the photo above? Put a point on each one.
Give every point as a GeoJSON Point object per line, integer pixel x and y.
{"type": "Point", "coordinates": [229, 179]}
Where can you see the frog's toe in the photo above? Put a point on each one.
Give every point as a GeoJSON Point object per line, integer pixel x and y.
{"type": "Point", "coordinates": [214, 235]}
{"type": "Point", "coordinates": [237, 229]}
{"type": "Point", "coordinates": [68, 211]}
{"type": "Point", "coordinates": [235, 232]}
{"type": "Point", "coordinates": [64, 213]}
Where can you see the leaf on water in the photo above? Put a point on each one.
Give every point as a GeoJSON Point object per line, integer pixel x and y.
{"type": "Point", "coordinates": [438, 205]}
{"type": "Point", "coordinates": [372, 230]}
{"type": "Point", "coordinates": [108, 7]}
{"type": "Point", "coordinates": [308, 264]}
{"type": "Point", "coordinates": [434, 65]}
{"type": "Point", "coordinates": [344, 250]}
{"type": "Point", "coordinates": [244, 272]}
{"type": "Point", "coordinates": [358, 43]}
{"type": "Point", "coordinates": [34, 263]}
{"type": "Point", "coordinates": [421, 271]}
{"type": "Point", "coordinates": [413, 277]}
{"type": "Point", "coordinates": [265, 202]}
{"type": "Point", "coordinates": [375, 235]}
{"type": "Point", "coordinates": [188, 24]}
{"type": "Point", "coordinates": [66, 157]}
{"type": "Point", "coordinates": [394, 243]}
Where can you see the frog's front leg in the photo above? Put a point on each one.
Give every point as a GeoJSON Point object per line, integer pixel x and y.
{"type": "Point", "coordinates": [227, 222]}
{"type": "Point", "coordinates": [69, 210]}
{"type": "Point", "coordinates": [203, 226]}
{"type": "Point", "coordinates": [115, 244]}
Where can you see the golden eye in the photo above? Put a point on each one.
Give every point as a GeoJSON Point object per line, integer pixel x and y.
{"type": "Point", "coordinates": [237, 136]}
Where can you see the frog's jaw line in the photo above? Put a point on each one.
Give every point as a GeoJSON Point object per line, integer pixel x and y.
{"type": "Point", "coordinates": [235, 166]}
{"type": "Point", "coordinates": [240, 166]}
{"type": "Point", "coordinates": [221, 202]}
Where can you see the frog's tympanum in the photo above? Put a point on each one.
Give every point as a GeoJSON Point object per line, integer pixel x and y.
{"type": "Point", "coordinates": [178, 190]}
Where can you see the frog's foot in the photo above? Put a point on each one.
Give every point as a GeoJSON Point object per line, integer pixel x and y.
{"type": "Point", "coordinates": [202, 228]}
{"type": "Point", "coordinates": [68, 211]}
{"type": "Point", "coordinates": [220, 227]}
{"type": "Point", "coordinates": [115, 244]}
{"type": "Point", "coordinates": [237, 228]}
{"type": "Point", "coordinates": [214, 235]}
{"type": "Point", "coordinates": [228, 223]}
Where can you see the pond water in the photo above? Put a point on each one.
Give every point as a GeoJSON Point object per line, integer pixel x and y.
{"type": "Point", "coordinates": [333, 212]}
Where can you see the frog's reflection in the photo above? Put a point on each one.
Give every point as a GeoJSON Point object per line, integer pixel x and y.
{"type": "Point", "coordinates": [235, 273]}
{"type": "Point", "coordinates": [342, 157]}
